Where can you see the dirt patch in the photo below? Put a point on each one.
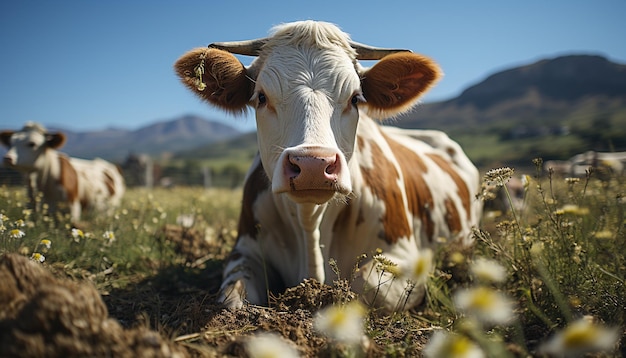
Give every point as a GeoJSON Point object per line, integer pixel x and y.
{"type": "Point", "coordinates": [41, 316]}
{"type": "Point", "coordinates": [174, 313]}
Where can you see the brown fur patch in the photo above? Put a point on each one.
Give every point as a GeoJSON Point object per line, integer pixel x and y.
{"type": "Point", "coordinates": [68, 179]}
{"type": "Point", "coordinates": [462, 188]}
{"type": "Point", "coordinates": [382, 182]}
{"type": "Point", "coordinates": [257, 183]}
{"type": "Point", "coordinates": [5, 138]}
{"type": "Point", "coordinates": [227, 84]}
{"type": "Point", "coordinates": [420, 199]}
{"type": "Point", "coordinates": [453, 219]}
{"type": "Point", "coordinates": [395, 83]}
{"type": "Point", "coordinates": [109, 183]}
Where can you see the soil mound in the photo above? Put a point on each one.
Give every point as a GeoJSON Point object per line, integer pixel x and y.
{"type": "Point", "coordinates": [42, 316]}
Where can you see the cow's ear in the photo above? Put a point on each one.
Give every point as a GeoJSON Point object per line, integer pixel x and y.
{"type": "Point", "coordinates": [396, 82]}
{"type": "Point", "coordinates": [5, 138]}
{"type": "Point", "coordinates": [216, 76]}
{"type": "Point", "coordinates": [55, 140]}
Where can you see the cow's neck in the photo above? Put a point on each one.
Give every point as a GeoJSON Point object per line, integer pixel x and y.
{"type": "Point", "coordinates": [48, 170]}
{"type": "Point", "coordinates": [310, 216]}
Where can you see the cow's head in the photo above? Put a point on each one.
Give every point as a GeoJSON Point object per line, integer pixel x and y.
{"type": "Point", "coordinates": [27, 146]}
{"type": "Point", "coordinates": [307, 89]}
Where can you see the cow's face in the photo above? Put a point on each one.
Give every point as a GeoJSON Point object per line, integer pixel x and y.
{"type": "Point", "coordinates": [307, 96]}
{"type": "Point", "coordinates": [26, 147]}
{"type": "Point", "coordinates": [307, 114]}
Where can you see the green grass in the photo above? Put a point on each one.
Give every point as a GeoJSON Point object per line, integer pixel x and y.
{"type": "Point", "coordinates": [563, 254]}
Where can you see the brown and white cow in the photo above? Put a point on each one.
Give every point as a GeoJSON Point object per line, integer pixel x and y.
{"type": "Point", "coordinates": [95, 184]}
{"type": "Point", "coordinates": [329, 182]}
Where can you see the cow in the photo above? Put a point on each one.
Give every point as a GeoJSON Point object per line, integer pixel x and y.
{"type": "Point", "coordinates": [80, 183]}
{"type": "Point", "coordinates": [329, 182]}
{"type": "Point", "coordinates": [606, 164]}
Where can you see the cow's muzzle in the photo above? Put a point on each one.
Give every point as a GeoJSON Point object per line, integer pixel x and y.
{"type": "Point", "coordinates": [8, 161]}
{"type": "Point", "coordinates": [312, 174]}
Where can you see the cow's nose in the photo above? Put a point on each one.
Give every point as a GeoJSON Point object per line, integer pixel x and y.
{"type": "Point", "coordinates": [312, 172]}
{"type": "Point", "coordinates": [312, 165]}
{"type": "Point", "coordinates": [7, 160]}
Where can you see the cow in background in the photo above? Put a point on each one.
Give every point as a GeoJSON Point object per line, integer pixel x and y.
{"type": "Point", "coordinates": [94, 184]}
{"type": "Point", "coordinates": [606, 164]}
{"type": "Point", "coordinates": [329, 181]}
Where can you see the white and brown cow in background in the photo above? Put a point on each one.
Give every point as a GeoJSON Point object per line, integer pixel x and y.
{"type": "Point", "coordinates": [329, 181]}
{"type": "Point", "coordinates": [94, 184]}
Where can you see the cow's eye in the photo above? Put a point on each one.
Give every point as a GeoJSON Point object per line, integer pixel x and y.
{"type": "Point", "coordinates": [356, 99]}
{"type": "Point", "coordinates": [31, 144]}
{"type": "Point", "coordinates": [261, 99]}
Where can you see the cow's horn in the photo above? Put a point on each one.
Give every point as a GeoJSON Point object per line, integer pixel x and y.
{"type": "Point", "coordinates": [253, 48]}
{"type": "Point", "coordinates": [247, 47]}
{"type": "Point", "coordinates": [366, 52]}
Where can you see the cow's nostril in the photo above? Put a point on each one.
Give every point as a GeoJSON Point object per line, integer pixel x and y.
{"type": "Point", "coordinates": [294, 168]}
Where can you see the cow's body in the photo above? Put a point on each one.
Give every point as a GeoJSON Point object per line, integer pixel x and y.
{"type": "Point", "coordinates": [330, 182]}
{"type": "Point", "coordinates": [81, 184]}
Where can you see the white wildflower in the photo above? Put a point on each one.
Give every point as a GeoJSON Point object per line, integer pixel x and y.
{"type": "Point", "coordinates": [485, 304]}
{"type": "Point", "coordinates": [582, 336]}
{"type": "Point", "coordinates": [77, 234]}
{"type": "Point", "coordinates": [16, 234]}
{"type": "Point", "coordinates": [451, 345]}
{"type": "Point", "coordinates": [109, 236]}
{"type": "Point", "coordinates": [269, 345]}
{"type": "Point", "coordinates": [488, 271]}
{"type": "Point", "coordinates": [38, 257]}
{"type": "Point", "coordinates": [185, 220]}
{"type": "Point", "coordinates": [342, 323]}
{"type": "Point", "coordinates": [419, 267]}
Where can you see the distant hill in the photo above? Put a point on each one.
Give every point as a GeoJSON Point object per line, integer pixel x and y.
{"type": "Point", "coordinates": [553, 108]}
{"type": "Point", "coordinates": [243, 146]}
{"type": "Point", "coordinates": [545, 93]}
{"type": "Point", "coordinates": [550, 90]}
{"type": "Point", "coordinates": [156, 139]}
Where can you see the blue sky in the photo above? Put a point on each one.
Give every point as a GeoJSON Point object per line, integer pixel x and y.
{"type": "Point", "coordinates": [88, 64]}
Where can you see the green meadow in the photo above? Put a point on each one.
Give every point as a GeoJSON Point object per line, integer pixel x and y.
{"type": "Point", "coordinates": [543, 279]}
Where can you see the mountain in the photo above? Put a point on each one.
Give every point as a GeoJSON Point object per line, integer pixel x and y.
{"type": "Point", "coordinates": [548, 88]}
{"type": "Point", "coordinates": [552, 108]}
{"type": "Point", "coordinates": [156, 139]}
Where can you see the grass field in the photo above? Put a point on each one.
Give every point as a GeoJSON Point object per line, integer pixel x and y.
{"type": "Point", "coordinates": [548, 278]}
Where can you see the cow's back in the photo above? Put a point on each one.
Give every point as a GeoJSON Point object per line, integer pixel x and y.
{"type": "Point", "coordinates": [427, 183]}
